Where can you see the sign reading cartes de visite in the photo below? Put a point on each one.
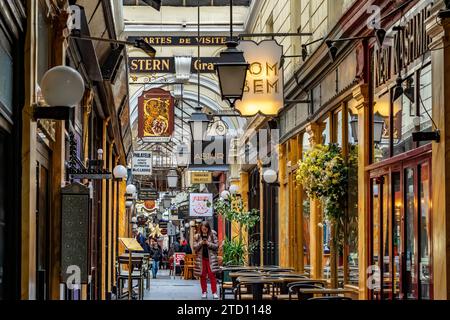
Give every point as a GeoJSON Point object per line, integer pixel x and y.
{"type": "Point", "coordinates": [263, 90]}
{"type": "Point", "coordinates": [167, 65]}
{"type": "Point", "coordinates": [183, 41]}
{"type": "Point", "coordinates": [200, 204]}
{"type": "Point", "coordinates": [156, 116]}
{"type": "Point", "coordinates": [142, 163]}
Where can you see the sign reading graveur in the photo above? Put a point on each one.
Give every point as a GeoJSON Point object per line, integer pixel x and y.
{"type": "Point", "coordinates": [183, 41]}
{"type": "Point", "coordinates": [148, 194]}
{"type": "Point", "coordinates": [263, 91]}
{"type": "Point", "coordinates": [142, 163]}
{"type": "Point", "coordinates": [156, 116]}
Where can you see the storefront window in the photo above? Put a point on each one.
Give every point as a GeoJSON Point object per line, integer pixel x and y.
{"type": "Point", "coordinates": [306, 146]}
{"type": "Point", "coordinates": [424, 266]}
{"type": "Point", "coordinates": [351, 224]}
{"type": "Point", "coordinates": [404, 112]}
{"type": "Point", "coordinates": [425, 103]}
{"type": "Point", "coordinates": [338, 127]}
{"type": "Point", "coordinates": [380, 128]}
{"type": "Point", "coordinates": [326, 139]}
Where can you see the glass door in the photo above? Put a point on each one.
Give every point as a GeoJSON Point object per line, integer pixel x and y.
{"type": "Point", "coordinates": [400, 231]}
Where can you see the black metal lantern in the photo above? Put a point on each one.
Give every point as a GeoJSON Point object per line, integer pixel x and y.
{"type": "Point", "coordinates": [232, 72]}
{"type": "Point", "coordinates": [378, 127]}
{"type": "Point", "coordinates": [199, 123]}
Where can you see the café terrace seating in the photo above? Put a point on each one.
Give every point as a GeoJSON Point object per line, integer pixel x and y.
{"type": "Point", "coordinates": [274, 283]}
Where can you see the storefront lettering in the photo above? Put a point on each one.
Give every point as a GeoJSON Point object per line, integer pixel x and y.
{"type": "Point", "coordinates": [413, 45]}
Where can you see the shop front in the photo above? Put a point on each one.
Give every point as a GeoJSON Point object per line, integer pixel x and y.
{"type": "Point", "coordinates": [400, 173]}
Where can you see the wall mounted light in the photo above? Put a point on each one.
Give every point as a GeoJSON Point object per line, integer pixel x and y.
{"type": "Point", "coordinates": [120, 172]}
{"type": "Point", "coordinates": [62, 88]}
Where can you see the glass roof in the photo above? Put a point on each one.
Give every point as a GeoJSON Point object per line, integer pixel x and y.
{"type": "Point", "coordinates": [189, 3]}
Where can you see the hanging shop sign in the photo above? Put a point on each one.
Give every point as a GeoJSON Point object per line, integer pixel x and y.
{"type": "Point", "coordinates": [148, 194]}
{"type": "Point", "coordinates": [75, 231]}
{"type": "Point", "coordinates": [210, 153]}
{"type": "Point", "coordinates": [167, 65]}
{"type": "Point", "coordinates": [201, 177]}
{"type": "Point", "coordinates": [200, 205]}
{"type": "Point", "coordinates": [183, 211]}
{"type": "Point", "coordinates": [156, 116]}
{"type": "Point", "coordinates": [183, 41]}
{"type": "Point", "coordinates": [142, 163]}
{"type": "Point", "coordinates": [263, 91]}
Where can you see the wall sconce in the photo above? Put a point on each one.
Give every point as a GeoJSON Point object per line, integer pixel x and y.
{"type": "Point", "coordinates": [120, 172]}
{"type": "Point", "coordinates": [62, 88]}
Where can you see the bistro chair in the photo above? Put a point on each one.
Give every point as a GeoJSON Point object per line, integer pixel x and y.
{"type": "Point", "coordinates": [189, 265]}
{"type": "Point", "coordinates": [249, 294]}
{"type": "Point", "coordinates": [331, 298]}
{"type": "Point", "coordinates": [294, 288]}
{"type": "Point", "coordinates": [137, 274]}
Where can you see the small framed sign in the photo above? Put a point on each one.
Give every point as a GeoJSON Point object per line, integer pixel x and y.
{"type": "Point", "coordinates": [201, 205]}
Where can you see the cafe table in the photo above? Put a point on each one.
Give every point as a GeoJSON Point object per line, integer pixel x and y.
{"type": "Point", "coordinates": [257, 284]}
{"type": "Point", "coordinates": [325, 291]}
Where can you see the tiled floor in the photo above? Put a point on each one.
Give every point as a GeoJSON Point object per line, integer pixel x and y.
{"type": "Point", "coordinates": [166, 287]}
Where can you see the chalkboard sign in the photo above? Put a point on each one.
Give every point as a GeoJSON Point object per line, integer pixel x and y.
{"type": "Point", "coordinates": [74, 233]}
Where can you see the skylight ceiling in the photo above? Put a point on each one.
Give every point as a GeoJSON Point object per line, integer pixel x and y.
{"type": "Point", "coordinates": [190, 3]}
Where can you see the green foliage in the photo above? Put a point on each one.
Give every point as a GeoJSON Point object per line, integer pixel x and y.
{"type": "Point", "coordinates": [234, 252]}
{"type": "Point", "coordinates": [233, 210]}
{"type": "Point", "coordinates": [324, 176]}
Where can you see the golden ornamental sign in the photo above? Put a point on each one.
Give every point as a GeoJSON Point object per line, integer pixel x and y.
{"type": "Point", "coordinates": [201, 177]}
{"type": "Point", "coordinates": [263, 91]}
{"type": "Point", "coordinates": [156, 116]}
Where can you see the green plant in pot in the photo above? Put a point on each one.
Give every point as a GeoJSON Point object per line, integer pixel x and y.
{"type": "Point", "coordinates": [232, 209]}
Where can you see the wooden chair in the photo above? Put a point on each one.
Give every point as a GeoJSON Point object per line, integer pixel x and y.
{"type": "Point", "coordinates": [331, 298]}
{"type": "Point", "coordinates": [189, 265]}
{"type": "Point", "coordinates": [294, 288]}
{"type": "Point", "coordinates": [137, 274]}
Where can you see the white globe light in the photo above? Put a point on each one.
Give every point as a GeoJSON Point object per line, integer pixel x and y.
{"type": "Point", "coordinates": [192, 223]}
{"type": "Point", "coordinates": [120, 172]}
{"type": "Point", "coordinates": [128, 204]}
{"type": "Point", "coordinates": [225, 194]}
{"type": "Point", "coordinates": [134, 220]}
{"type": "Point", "coordinates": [62, 86]}
{"type": "Point", "coordinates": [234, 189]}
{"type": "Point", "coordinates": [270, 176]}
{"type": "Point", "coordinates": [131, 189]}
{"type": "Point", "coordinates": [187, 225]}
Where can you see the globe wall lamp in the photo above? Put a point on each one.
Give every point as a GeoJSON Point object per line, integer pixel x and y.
{"type": "Point", "coordinates": [270, 176]}
{"type": "Point", "coordinates": [62, 88]}
{"type": "Point", "coordinates": [131, 189]}
{"type": "Point", "coordinates": [232, 69]}
{"type": "Point", "coordinates": [120, 172]}
{"type": "Point", "coordinates": [234, 189]}
{"type": "Point", "coordinates": [225, 195]}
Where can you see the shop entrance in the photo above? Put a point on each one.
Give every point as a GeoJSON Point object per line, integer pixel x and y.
{"type": "Point", "coordinates": [42, 221]}
{"type": "Point", "coordinates": [400, 230]}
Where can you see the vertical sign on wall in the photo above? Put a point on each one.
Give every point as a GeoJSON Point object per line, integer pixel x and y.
{"type": "Point", "coordinates": [156, 116]}
{"type": "Point", "coordinates": [263, 91]}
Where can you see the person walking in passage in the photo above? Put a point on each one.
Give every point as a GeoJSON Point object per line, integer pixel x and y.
{"type": "Point", "coordinates": [206, 263]}
{"type": "Point", "coordinates": [156, 255]}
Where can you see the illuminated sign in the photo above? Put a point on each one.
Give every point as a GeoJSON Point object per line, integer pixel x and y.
{"type": "Point", "coordinates": [263, 91]}
{"type": "Point", "coordinates": [156, 116]}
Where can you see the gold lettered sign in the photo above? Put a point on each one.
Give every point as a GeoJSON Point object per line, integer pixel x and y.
{"type": "Point", "coordinates": [156, 116]}
{"type": "Point", "coordinates": [199, 177]}
{"type": "Point", "coordinates": [263, 91]}
{"type": "Point", "coordinates": [183, 41]}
